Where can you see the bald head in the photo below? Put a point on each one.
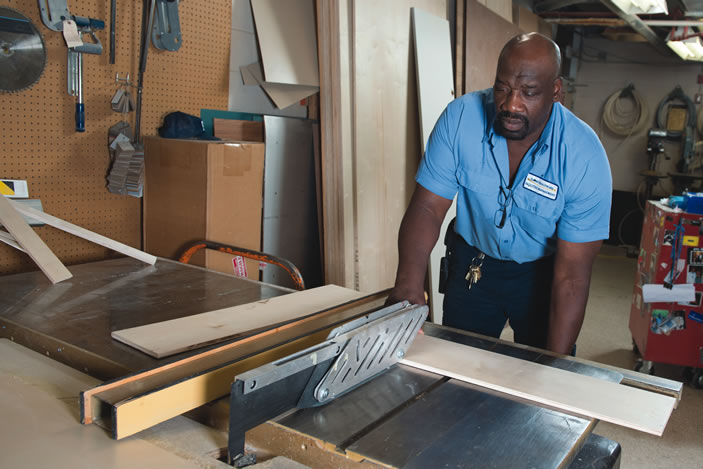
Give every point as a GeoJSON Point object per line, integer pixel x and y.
{"type": "Point", "coordinates": [526, 86]}
{"type": "Point", "coordinates": [533, 47]}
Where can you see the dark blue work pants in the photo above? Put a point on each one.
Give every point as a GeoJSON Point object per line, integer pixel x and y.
{"type": "Point", "coordinates": [507, 290]}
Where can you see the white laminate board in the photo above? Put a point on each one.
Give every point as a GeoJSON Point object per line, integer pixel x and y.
{"type": "Point", "coordinates": [283, 95]}
{"type": "Point", "coordinates": [30, 242]}
{"type": "Point", "coordinates": [166, 338]}
{"type": "Point", "coordinates": [571, 392]}
{"type": "Point", "coordinates": [435, 90]}
{"type": "Point", "coordinates": [286, 32]}
{"type": "Point", "coordinates": [85, 234]}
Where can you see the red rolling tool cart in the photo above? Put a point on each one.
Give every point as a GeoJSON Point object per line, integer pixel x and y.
{"type": "Point", "coordinates": [669, 332]}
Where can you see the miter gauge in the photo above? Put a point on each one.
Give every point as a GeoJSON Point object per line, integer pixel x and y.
{"type": "Point", "coordinates": [22, 53]}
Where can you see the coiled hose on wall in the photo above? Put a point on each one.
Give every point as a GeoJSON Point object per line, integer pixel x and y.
{"type": "Point", "coordinates": [625, 120]}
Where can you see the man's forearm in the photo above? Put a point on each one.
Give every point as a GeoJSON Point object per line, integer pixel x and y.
{"type": "Point", "coordinates": [418, 234]}
{"type": "Point", "coordinates": [572, 278]}
{"type": "Point", "coordinates": [568, 308]}
{"type": "Point", "coordinates": [415, 242]}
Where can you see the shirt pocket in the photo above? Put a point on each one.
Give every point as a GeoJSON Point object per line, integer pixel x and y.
{"type": "Point", "coordinates": [476, 182]}
{"type": "Point", "coordinates": [536, 214]}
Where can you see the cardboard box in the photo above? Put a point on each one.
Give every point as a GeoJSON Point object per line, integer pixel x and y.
{"type": "Point", "coordinates": [245, 131]}
{"type": "Point", "coordinates": [196, 190]}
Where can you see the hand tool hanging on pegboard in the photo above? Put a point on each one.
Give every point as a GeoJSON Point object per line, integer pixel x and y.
{"type": "Point", "coordinates": [167, 28]}
{"type": "Point", "coordinates": [55, 16]}
{"type": "Point", "coordinates": [22, 53]}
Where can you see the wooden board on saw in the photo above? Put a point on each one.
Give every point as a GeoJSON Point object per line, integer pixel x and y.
{"type": "Point", "coordinates": [571, 392]}
{"type": "Point", "coordinates": [435, 89]}
{"type": "Point", "coordinates": [133, 403]}
{"type": "Point", "coordinates": [167, 338]}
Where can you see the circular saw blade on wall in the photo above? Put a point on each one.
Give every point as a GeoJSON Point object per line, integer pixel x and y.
{"type": "Point", "coordinates": [22, 52]}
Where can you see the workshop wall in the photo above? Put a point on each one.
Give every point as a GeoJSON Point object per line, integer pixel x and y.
{"type": "Point", "coordinates": [66, 169]}
{"type": "Point", "coordinates": [608, 66]}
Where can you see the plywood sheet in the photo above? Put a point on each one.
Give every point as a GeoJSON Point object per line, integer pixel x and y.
{"type": "Point", "coordinates": [177, 335]}
{"type": "Point", "coordinates": [435, 89]}
{"type": "Point", "coordinates": [386, 141]}
{"type": "Point", "coordinates": [486, 34]}
{"type": "Point", "coordinates": [582, 395]}
{"type": "Point", "coordinates": [336, 122]}
{"type": "Point", "coordinates": [287, 41]}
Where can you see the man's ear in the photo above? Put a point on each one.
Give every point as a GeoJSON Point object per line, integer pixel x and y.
{"type": "Point", "coordinates": [558, 94]}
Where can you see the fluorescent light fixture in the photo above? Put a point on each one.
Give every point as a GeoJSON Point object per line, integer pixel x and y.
{"type": "Point", "coordinates": [686, 45]}
{"type": "Point", "coordinates": [639, 7]}
{"type": "Point", "coordinates": [680, 49]}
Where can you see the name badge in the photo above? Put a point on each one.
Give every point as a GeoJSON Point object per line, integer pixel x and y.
{"type": "Point", "coordinates": [540, 186]}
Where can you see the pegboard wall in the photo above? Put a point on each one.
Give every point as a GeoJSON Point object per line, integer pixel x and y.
{"type": "Point", "coordinates": [67, 169]}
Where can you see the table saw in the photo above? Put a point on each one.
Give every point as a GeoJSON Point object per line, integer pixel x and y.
{"type": "Point", "coordinates": [402, 418]}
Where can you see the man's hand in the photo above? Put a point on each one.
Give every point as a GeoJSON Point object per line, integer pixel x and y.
{"type": "Point", "coordinates": [403, 293]}
{"type": "Point", "coordinates": [572, 277]}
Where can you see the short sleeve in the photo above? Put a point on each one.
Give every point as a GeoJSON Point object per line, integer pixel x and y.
{"type": "Point", "coordinates": [437, 171]}
{"type": "Point", "coordinates": [586, 215]}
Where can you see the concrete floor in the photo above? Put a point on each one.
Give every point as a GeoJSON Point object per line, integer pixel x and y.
{"type": "Point", "coordinates": [605, 338]}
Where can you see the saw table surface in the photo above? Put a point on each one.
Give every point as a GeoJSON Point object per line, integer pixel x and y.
{"type": "Point", "coordinates": [72, 320]}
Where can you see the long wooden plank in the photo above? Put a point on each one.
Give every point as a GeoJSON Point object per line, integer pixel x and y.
{"type": "Point", "coordinates": [32, 244]}
{"type": "Point", "coordinates": [180, 386]}
{"type": "Point", "coordinates": [85, 234]}
{"type": "Point", "coordinates": [7, 238]}
{"type": "Point", "coordinates": [178, 335]}
{"type": "Point", "coordinates": [286, 34]}
{"type": "Point", "coordinates": [435, 90]}
{"type": "Point", "coordinates": [579, 394]}
{"type": "Point", "coordinates": [336, 118]}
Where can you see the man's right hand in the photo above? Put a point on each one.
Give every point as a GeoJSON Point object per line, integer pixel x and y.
{"type": "Point", "coordinates": [402, 293]}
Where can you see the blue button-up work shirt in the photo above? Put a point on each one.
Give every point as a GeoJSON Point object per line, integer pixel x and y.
{"type": "Point", "coordinates": [562, 188]}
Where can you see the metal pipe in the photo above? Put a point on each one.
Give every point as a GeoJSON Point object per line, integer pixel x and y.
{"type": "Point", "coordinates": [113, 20]}
{"type": "Point", "coordinates": [673, 23]}
{"type": "Point", "coordinates": [147, 21]}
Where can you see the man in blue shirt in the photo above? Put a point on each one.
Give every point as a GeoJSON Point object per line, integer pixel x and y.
{"type": "Point", "coordinates": [533, 190]}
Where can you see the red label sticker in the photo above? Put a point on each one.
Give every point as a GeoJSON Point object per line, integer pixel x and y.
{"type": "Point", "coordinates": [240, 266]}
